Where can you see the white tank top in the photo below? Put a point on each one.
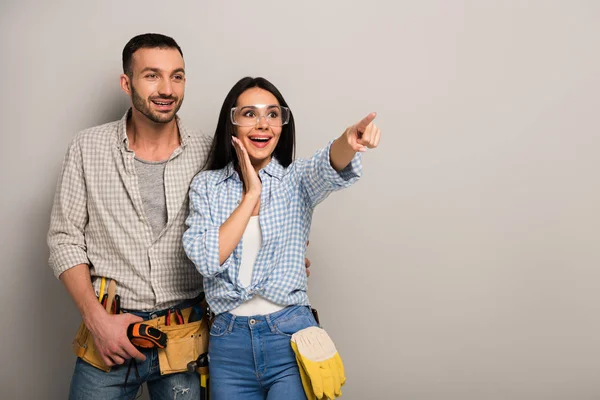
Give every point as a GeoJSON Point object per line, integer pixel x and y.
{"type": "Point", "coordinates": [257, 305]}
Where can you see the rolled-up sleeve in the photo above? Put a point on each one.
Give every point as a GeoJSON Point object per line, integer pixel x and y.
{"type": "Point", "coordinates": [201, 239]}
{"type": "Point", "coordinates": [319, 178]}
{"type": "Point", "coordinates": [69, 217]}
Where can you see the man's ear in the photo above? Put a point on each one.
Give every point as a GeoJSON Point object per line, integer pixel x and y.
{"type": "Point", "coordinates": [126, 84]}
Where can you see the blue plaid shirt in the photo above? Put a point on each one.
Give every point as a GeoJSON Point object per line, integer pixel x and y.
{"type": "Point", "coordinates": [288, 198]}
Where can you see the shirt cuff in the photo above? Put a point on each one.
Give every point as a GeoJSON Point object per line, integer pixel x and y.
{"type": "Point", "coordinates": [65, 258]}
{"type": "Point", "coordinates": [344, 178]}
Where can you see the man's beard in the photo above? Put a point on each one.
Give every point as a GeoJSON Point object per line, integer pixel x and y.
{"type": "Point", "coordinates": [160, 118]}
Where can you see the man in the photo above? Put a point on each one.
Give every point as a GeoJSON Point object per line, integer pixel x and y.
{"type": "Point", "coordinates": [119, 212]}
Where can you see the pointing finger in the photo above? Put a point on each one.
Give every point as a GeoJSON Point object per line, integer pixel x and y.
{"type": "Point", "coordinates": [362, 125]}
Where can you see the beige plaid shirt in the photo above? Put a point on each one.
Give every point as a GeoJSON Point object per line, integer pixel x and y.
{"type": "Point", "coordinates": [98, 218]}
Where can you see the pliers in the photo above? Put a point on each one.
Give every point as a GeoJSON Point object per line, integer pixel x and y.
{"type": "Point", "coordinates": [178, 316]}
{"type": "Point", "coordinates": [116, 304]}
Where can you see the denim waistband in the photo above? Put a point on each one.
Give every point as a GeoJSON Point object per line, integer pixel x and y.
{"type": "Point", "coordinates": [161, 313]}
{"type": "Point", "coordinates": [267, 320]}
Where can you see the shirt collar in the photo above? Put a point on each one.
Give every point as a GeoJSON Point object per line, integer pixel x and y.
{"type": "Point", "coordinates": [227, 173]}
{"type": "Point", "coordinates": [273, 169]}
{"type": "Point", "coordinates": [184, 133]}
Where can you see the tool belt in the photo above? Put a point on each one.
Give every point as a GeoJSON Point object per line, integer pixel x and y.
{"type": "Point", "coordinates": [186, 341]}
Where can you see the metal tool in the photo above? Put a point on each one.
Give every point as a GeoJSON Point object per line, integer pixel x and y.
{"type": "Point", "coordinates": [178, 316]}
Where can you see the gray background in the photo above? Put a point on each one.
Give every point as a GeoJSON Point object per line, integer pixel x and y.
{"type": "Point", "coordinates": [463, 266]}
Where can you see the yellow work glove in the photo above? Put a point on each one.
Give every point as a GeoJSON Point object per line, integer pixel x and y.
{"type": "Point", "coordinates": [310, 395]}
{"type": "Point", "coordinates": [321, 367]}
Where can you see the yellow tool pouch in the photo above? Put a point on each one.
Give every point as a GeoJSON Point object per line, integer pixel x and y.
{"type": "Point", "coordinates": [84, 348]}
{"type": "Point", "coordinates": [185, 343]}
{"type": "Point", "coordinates": [83, 344]}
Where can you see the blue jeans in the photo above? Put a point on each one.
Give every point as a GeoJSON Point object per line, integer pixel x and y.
{"type": "Point", "coordinates": [91, 383]}
{"type": "Point", "coordinates": [251, 358]}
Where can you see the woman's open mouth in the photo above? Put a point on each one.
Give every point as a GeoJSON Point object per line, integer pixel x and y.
{"type": "Point", "coordinates": [260, 141]}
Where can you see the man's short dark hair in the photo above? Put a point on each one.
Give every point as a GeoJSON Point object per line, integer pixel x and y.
{"type": "Point", "coordinates": [146, 41]}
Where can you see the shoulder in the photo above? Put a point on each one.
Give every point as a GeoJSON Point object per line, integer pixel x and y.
{"type": "Point", "coordinates": [295, 168]}
{"type": "Point", "coordinates": [207, 179]}
{"type": "Point", "coordinates": [196, 140]}
{"type": "Point", "coordinates": [320, 159]}
{"type": "Point", "coordinates": [91, 141]}
{"type": "Point", "coordinates": [199, 141]}
{"type": "Point", "coordinates": [101, 133]}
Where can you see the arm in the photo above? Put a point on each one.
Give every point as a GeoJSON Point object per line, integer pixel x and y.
{"type": "Point", "coordinates": [338, 165]}
{"type": "Point", "coordinates": [77, 282]}
{"type": "Point", "coordinates": [356, 138]}
{"type": "Point", "coordinates": [233, 228]}
{"type": "Point", "coordinates": [201, 239]}
{"type": "Point", "coordinates": [108, 330]}
{"type": "Point", "coordinates": [207, 245]}
{"type": "Point", "coordinates": [69, 216]}
{"type": "Point", "coordinates": [68, 258]}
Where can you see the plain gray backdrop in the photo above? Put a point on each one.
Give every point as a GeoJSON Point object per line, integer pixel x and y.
{"type": "Point", "coordinates": [463, 266]}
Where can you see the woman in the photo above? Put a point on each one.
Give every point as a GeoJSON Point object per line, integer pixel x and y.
{"type": "Point", "coordinates": [250, 216]}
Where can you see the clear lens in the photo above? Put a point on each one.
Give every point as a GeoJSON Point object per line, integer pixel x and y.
{"type": "Point", "coordinates": [251, 115]}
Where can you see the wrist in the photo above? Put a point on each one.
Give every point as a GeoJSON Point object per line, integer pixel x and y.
{"type": "Point", "coordinates": [251, 197]}
{"type": "Point", "coordinates": [93, 314]}
{"type": "Point", "coordinates": [344, 143]}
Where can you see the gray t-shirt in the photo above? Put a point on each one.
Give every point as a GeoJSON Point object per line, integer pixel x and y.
{"type": "Point", "coordinates": [152, 189]}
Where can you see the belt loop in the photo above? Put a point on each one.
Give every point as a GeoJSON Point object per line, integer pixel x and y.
{"type": "Point", "coordinates": [230, 327]}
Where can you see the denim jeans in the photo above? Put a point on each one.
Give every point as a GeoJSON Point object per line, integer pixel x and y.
{"type": "Point", "coordinates": [251, 358]}
{"type": "Point", "coordinates": [91, 383]}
